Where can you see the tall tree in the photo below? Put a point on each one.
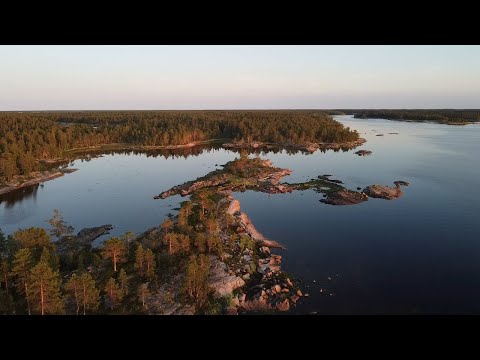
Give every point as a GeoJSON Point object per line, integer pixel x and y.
{"type": "Point", "coordinates": [123, 279]}
{"type": "Point", "coordinates": [44, 290]}
{"type": "Point", "coordinates": [83, 290]}
{"type": "Point", "coordinates": [51, 259]}
{"type": "Point", "coordinates": [143, 292]}
{"type": "Point", "coordinates": [22, 264]}
{"type": "Point", "coordinates": [150, 263]}
{"type": "Point", "coordinates": [172, 241]}
{"type": "Point", "coordinates": [114, 249]}
{"type": "Point", "coordinates": [214, 244]}
{"type": "Point", "coordinates": [140, 260]}
{"type": "Point", "coordinates": [167, 225]}
{"type": "Point", "coordinates": [73, 289]}
{"type": "Point", "coordinates": [196, 285]}
{"type": "Point", "coordinates": [114, 295]}
{"type": "Point", "coordinates": [59, 227]}
{"type": "Point", "coordinates": [35, 239]}
{"type": "Point", "coordinates": [5, 272]}
{"type": "Point", "coordinates": [128, 237]}
{"type": "Point", "coordinates": [3, 243]}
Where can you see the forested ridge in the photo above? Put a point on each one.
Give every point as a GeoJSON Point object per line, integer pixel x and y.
{"type": "Point", "coordinates": [442, 116]}
{"type": "Point", "coordinates": [27, 137]}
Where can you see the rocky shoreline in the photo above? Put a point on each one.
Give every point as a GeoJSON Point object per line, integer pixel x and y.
{"type": "Point", "coordinates": [35, 178]}
{"type": "Point", "coordinates": [267, 287]}
{"type": "Point", "coordinates": [307, 147]}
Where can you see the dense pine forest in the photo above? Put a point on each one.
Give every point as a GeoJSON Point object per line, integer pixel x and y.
{"type": "Point", "coordinates": [27, 137]}
{"type": "Point", "coordinates": [49, 271]}
{"type": "Point", "coordinates": [446, 116]}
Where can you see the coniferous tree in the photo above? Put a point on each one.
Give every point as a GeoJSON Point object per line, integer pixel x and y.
{"type": "Point", "coordinates": [115, 250]}
{"type": "Point", "coordinates": [59, 226]}
{"type": "Point", "coordinates": [143, 292]}
{"type": "Point", "coordinates": [123, 280]}
{"type": "Point", "coordinates": [35, 239]}
{"type": "Point", "coordinates": [113, 293]}
{"type": "Point", "coordinates": [44, 290]}
{"type": "Point", "coordinates": [140, 260]}
{"type": "Point", "coordinates": [196, 285]}
{"type": "Point", "coordinates": [22, 264]}
{"type": "Point", "coordinates": [150, 264]}
{"type": "Point", "coordinates": [84, 292]}
{"type": "Point", "coordinates": [128, 237]}
{"type": "Point", "coordinates": [5, 273]}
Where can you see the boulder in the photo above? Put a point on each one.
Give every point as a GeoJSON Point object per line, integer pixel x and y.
{"type": "Point", "coordinates": [233, 207]}
{"type": "Point", "coordinates": [283, 305]}
{"type": "Point", "coordinates": [220, 280]}
{"type": "Point", "coordinates": [363, 152]}
{"type": "Point", "coordinates": [344, 197]}
{"type": "Point", "coordinates": [383, 192]}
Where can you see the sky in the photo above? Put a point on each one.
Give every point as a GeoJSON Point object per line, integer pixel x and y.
{"type": "Point", "coordinates": [238, 77]}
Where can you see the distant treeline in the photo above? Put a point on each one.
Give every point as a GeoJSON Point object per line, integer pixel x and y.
{"type": "Point", "coordinates": [446, 116]}
{"type": "Point", "coordinates": [27, 137]}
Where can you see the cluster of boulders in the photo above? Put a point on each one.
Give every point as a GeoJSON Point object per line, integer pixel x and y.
{"type": "Point", "coordinates": [268, 289]}
{"type": "Point", "coordinates": [385, 192]}
{"type": "Point", "coordinates": [344, 197]}
{"type": "Point", "coordinates": [363, 152]}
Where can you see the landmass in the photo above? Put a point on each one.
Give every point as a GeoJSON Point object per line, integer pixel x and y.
{"type": "Point", "coordinates": [34, 178]}
{"type": "Point", "coordinates": [447, 116]}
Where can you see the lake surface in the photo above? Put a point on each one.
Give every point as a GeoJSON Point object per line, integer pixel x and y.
{"type": "Point", "coordinates": [416, 254]}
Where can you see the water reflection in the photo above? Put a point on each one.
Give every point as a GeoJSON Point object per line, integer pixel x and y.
{"type": "Point", "coordinates": [17, 196]}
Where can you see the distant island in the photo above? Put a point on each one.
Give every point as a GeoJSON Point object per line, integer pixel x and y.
{"type": "Point", "coordinates": [447, 116]}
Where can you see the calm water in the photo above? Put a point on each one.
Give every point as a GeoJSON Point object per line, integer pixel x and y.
{"type": "Point", "coordinates": [417, 254]}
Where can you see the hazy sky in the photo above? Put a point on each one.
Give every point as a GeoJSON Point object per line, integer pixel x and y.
{"type": "Point", "coordinates": [238, 77]}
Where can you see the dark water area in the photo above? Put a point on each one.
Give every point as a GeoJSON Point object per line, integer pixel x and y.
{"type": "Point", "coordinates": [416, 254]}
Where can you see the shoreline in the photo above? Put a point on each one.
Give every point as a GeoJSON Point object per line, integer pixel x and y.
{"type": "Point", "coordinates": [43, 176]}
{"type": "Point", "coordinates": [39, 177]}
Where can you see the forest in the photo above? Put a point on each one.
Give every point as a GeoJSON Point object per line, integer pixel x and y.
{"type": "Point", "coordinates": [29, 137]}
{"type": "Point", "coordinates": [49, 271]}
{"type": "Point", "coordinates": [443, 116]}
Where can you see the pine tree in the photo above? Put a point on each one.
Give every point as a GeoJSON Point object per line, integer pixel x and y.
{"type": "Point", "coordinates": [44, 290]}
{"type": "Point", "coordinates": [143, 292]}
{"type": "Point", "coordinates": [197, 272]}
{"type": "Point", "coordinates": [22, 264]}
{"type": "Point", "coordinates": [35, 239]}
{"type": "Point", "coordinates": [150, 263]}
{"type": "Point", "coordinates": [172, 241]}
{"type": "Point", "coordinates": [59, 226]}
{"type": "Point", "coordinates": [114, 249]}
{"type": "Point", "coordinates": [113, 294]}
{"type": "Point", "coordinates": [51, 259]}
{"type": "Point", "coordinates": [140, 260]}
{"type": "Point", "coordinates": [5, 272]}
{"type": "Point", "coordinates": [214, 243]}
{"type": "Point", "coordinates": [73, 288]}
{"type": "Point", "coordinates": [83, 290]}
{"type": "Point", "coordinates": [128, 237]}
{"type": "Point", "coordinates": [166, 225]}
{"type": "Point", "coordinates": [200, 242]}
{"type": "Point", "coordinates": [123, 279]}
{"type": "Point", "coordinates": [3, 243]}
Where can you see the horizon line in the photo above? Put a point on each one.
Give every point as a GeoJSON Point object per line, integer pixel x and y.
{"type": "Point", "coordinates": [233, 109]}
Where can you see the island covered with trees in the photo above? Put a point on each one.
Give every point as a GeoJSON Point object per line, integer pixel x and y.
{"type": "Point", "coordinates": [37, 141]}
{"type": "Point", "coordinates": [441, 116]}
{"type": "Point", "coordinates": [207, 259]}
